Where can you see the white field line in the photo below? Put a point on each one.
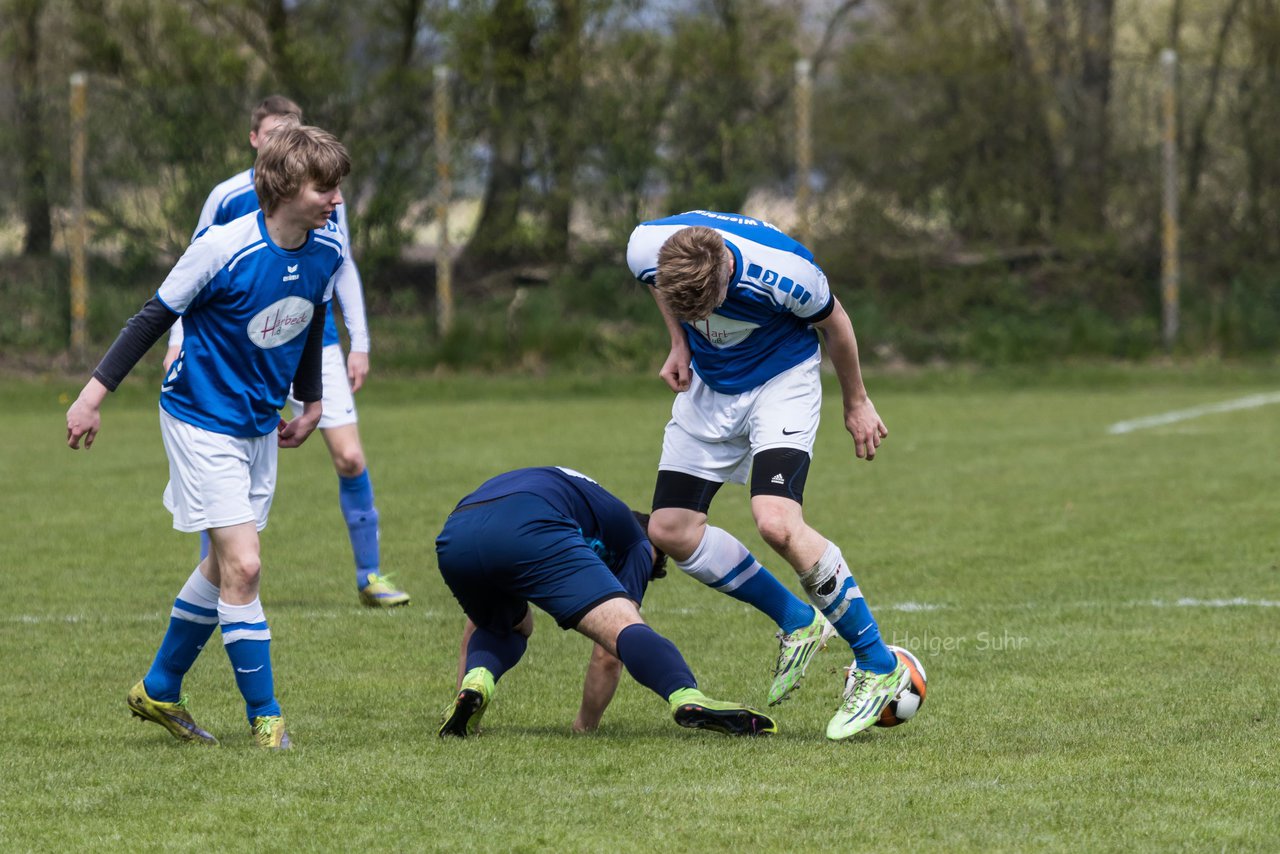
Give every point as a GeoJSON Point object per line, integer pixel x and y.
{"type": "Point", "coordinates": [1253, 401]}
{"type": "Point", "coordinates": [1184, 602]}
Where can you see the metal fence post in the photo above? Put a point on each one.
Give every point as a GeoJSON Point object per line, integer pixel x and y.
{"type": "Point", "coordinates": [444, 190]}
{"type": "Point", "coordinates": [77, 237]}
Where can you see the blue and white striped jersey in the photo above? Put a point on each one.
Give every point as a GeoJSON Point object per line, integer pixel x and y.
{"type": "Point", "coordinates": [246, 306]}
{"type": "Point", "coordinates": [234, 198]}
{"type": "Point", "coordinates": [763, 327]}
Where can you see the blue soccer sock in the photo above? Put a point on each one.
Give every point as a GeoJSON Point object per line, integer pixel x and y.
{"type": "Point", "coordinates": [722, 563]}
{"type": "Point", "coordinates": [653, 661]}
{"type": "Point", "coordinates": [191, 623]}
{"type": "Point", "coordinates": [247, 640]}
{"type": "Point", "coordinates": [494, 652]}
{"type": "Point", "coordinates": [204, 545]}
{"type": "Point", "coordinates": [355, 496]}
{"type": "Point", "coordinates": [832, 588]}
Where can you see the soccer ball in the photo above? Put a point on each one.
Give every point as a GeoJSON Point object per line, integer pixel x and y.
{"type": "Point", "coordinates": [903, 707]}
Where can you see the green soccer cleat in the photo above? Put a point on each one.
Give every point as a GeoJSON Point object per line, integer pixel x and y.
{"type": "Point", "coordinates": [172, 716]}
{"type": "Point", "coordinates": [865, 696]}
{"type": "Point", "coordinates": [269, 733]}
{"type": "Point", "coordinates": [693, 709]}
{"type": "Point", "coordinates": [380, 592]}
{"type": "Point", "coordinates": [795, 651]}
{"type": "Point", "coordinates": [462, 717]}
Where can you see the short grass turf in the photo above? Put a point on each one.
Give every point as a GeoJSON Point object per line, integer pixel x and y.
{"type": "Point", "coordinates": [1097, 614]}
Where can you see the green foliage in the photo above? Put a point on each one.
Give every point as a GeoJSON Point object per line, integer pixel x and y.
{"type": "Point", "coordinates": [1060, 585]}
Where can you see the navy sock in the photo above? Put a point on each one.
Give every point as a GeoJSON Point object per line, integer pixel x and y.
{"type": "Point", "coordinates": [653, 661]}
{"type": "Point", "coordinates": [494, 652]}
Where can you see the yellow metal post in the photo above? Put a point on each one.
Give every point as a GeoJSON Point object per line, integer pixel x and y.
{"type": "Point", "coordinates": [444, 192]}
{"type": "Point", "coordinates": [77, 236]}
{"type": "Point", "coordinates": [804, 148]}
{"type": "Point", "coordinates": [1169, 272]}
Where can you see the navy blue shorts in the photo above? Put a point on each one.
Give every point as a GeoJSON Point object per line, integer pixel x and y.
{"type": "Point", "coordinates": [500, 555]}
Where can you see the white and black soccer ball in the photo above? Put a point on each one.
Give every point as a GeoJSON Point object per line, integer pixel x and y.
{"type": "Point", "coordinates": [907, 703]}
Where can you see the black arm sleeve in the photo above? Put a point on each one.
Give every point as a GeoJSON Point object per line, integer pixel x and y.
{"type": "Point", "coordinates": [133, 342]}
{"type": "Point", "coordinates": [308, 380]}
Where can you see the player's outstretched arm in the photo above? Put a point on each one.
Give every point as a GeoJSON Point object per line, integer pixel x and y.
{"type": "Point", "coordinates": [860, 416]}
{"type": "Point", "coordinates": [603, 674]}
{"type": "Point", "coordinates": [142, 330]}
{"type": "Point", "coordinates": [84, 418]}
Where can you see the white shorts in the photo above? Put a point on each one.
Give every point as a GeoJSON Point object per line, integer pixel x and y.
{"type": "Point", "coordinates": [714, 436]}
{"type": "Point", "coordinates": [338, 401]}
{"type": "Point", "coordinates": [216, 480]}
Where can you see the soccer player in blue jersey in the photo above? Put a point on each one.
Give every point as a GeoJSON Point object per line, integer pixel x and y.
{"type": "Point", "coordinates": [253, 294]}
{"type": "Point", "coordinates": [236, 197]}
{"type": "Point", "coordinates": [741, 301]}
{"type": "Point", "coordinates": [555, 538]}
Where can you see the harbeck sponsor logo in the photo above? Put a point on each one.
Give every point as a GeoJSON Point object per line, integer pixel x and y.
{"type": "Point", "coordinates": [280, 322]}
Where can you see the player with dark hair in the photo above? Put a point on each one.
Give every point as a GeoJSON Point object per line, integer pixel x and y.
{"type": "Point", "coordinates": [343, 376]}
{"type": "Point", "coordinates": [555, 538]}
{"type": "Point", "coordinates": [253, 293]}
{"type": "Point", "coordinates": [741, 301]}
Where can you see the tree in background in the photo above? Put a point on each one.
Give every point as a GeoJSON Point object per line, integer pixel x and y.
{"type": "Point", "coordinates": [23, 44]}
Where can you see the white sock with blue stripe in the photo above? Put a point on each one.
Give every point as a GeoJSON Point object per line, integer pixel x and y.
{"type": "Point", "coordinates": [722, 563]}
{"type": "Point", "coordinates": [191, 622]}
{"type": "Point", "coordinates": [832, 588]}
{"type": "Point", "coordinates": [247, 639]}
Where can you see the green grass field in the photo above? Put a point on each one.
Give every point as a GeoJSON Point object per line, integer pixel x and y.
{"type": "Point", "coordinates": [1098, 615]}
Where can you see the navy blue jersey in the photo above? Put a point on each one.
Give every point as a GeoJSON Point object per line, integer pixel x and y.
{"type": "Point", "coordinates": [607, 523]}
{"type": "Point", "coordinates": [246, 304]}
{"type": "Point", "coordinates": [763, 327]}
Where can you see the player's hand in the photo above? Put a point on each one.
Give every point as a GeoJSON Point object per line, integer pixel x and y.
{"type": "Point", "coordinates": [291, 434]}
{"type": "Point", "coordinates": [170, 355]}
{"type": "Point", "coordinates": [676, 371]}
{"type": "Point", "coordinates": [864, 424]}
{"type": "Point", "coordinates": [83, 418]}
{"type": "Point", "coordinates": [357, 369]}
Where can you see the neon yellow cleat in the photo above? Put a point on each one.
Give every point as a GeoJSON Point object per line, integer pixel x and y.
{"type": "Point", "coordinates": [795, 651]}
{"type": "Point", "coordinates": [462, 717]}
{"type": "Point", "coordinates": [695, 710]}
{"type": "Point", "coordinates": [269, 733]}
{"type": "Point", "coordinates": [865, 695]}
{"type": "Point", "coordinates": [172, 716]}
{"type": "Point", "coordinates": [380, 592]}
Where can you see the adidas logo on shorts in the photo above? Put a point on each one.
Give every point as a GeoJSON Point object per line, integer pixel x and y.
{"type": "Point", "coordinates": [779, 479]}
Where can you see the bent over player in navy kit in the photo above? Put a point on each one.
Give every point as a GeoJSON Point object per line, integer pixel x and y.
{"type": "Point", "coordinates": [253, 295]}
{"type": "Point", "coordinates": [741, 301]}
{"type": "Point", "coordinates": [555, 538]}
